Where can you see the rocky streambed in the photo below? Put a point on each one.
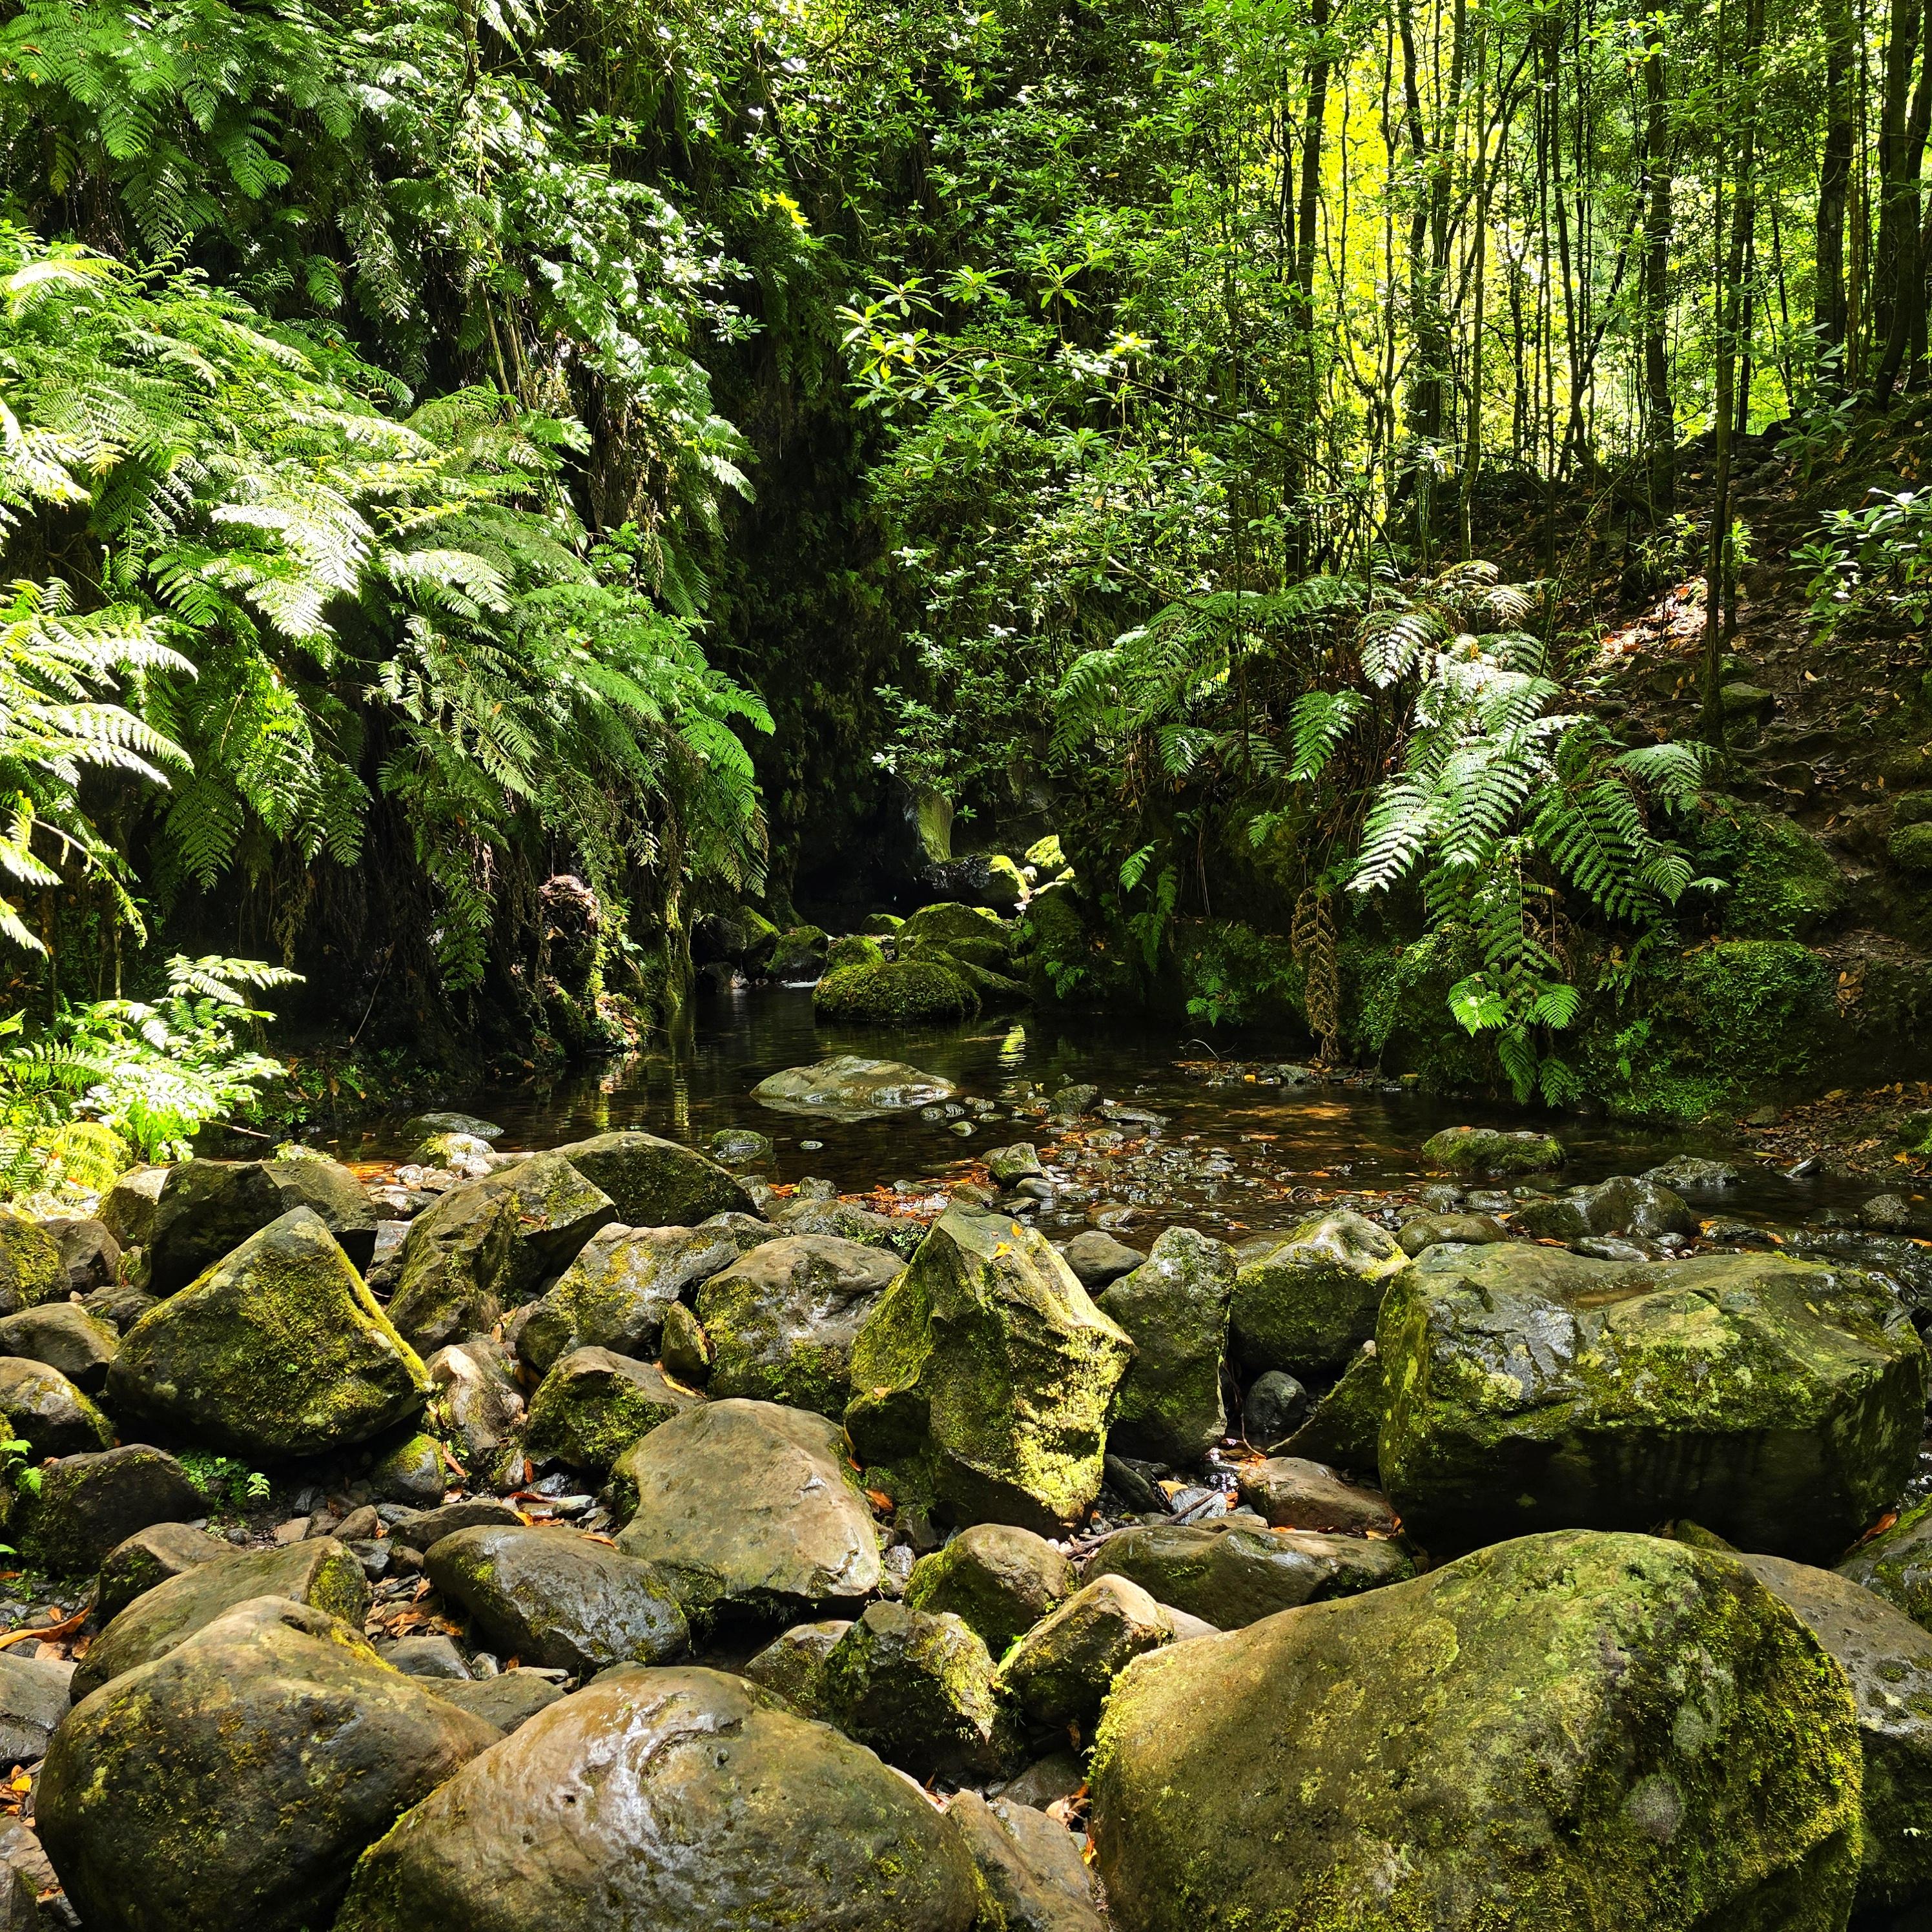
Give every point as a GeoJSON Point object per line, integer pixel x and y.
{"type": "Point", "coordinates": [608, 1534]}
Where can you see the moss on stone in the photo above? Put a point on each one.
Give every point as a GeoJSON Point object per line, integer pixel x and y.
{"type": "Point", "coordinates": [1474, 1153]}
{"type": "Point", "coordinates": [897, 993]}
{"type": "Point", "coordinates": [1787, 886]}
{"type": "Point", "coordinates": [594, 1405]}
{"type": "Point", "coordinates": [1910, 848]}
{"type": "Point", "coordinates": [1310, 1303]}
{"type": "Point", "coordinates": [854, 948]}
{"type": "Point", "coordinates": [949, 920]}
{"type": "Point", "coordinates": [1344, 1429]}
{"type": "Point", "coordinates": [30, 1263]}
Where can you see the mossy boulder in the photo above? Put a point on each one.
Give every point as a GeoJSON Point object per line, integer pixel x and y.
{"type": "Point", "coordinates": [64, 1335]}
{"type": "Point", "coordinates": [413, 1471]}
{"type": "Point", "coordinates": [899, 992]}
{"type": "Point", "coordinates": [1788, 886]}
{"type": "Point", "coordinates": [86, 1504]}
{"type": "Point", "coordinates": [917, 1688]}
{"type": "Point", "coordinates": [850, 1087]}
{"type": "Point", "coordinates": [1230, 1574]}
{"type": "Point", "coordinates": [147, 1559]}
{"type": "Point", "coordinates": [682, 1800]}
{"type": "Point", "coordinates": [947, 922]}
{"type": "Point", "coordinates": [987, 1370]}
{"type": "Point", "coordinates": [654, 1183]}
{"type": "Point", "coordinates": [789, 1664]}
{"type": "Point", "coordinates": [477, 1399]}
{"type": "Point", "coordinates": [318, 1571]}
{"type": "Point", "coordinates": [1623, 1205]}
{"type": "Point", "coordinates": [555, 1598]}
{"type": "Point", "coordinates": [1567, 1730]}
{"type": "Point", "coordinates": [846, 1221]}
{"type": "Point", "coordinates": [687, 1353]}
{"type": "Point", "coordinates": [854, 948]}
{"type": "Point", "coordinates": [30, 1263]}
{"type": "Point", "coordinates": [1344, 1426]}
{"type": "Point", "coordinates": [206, 1209]}
{"type": "Point", "coordinates": [1779, 1402]}
{"type": "Point", "coordinates": [1001, 1580]}
{"type": "Point", "coordinates": [615, 1293]}
{"type": "Point", "coordinates": [1032, 1876]}
{"type": "Point", "coordinates": [594, 1404]}
{"type": "Point", "coordinates": [278, 1351]}
{"type": "Point", "coordinates": [1910, 848]}
{"type": "Point", "coordinates": [127, 1210]}
{"type": "Point", "coordinates": [800, 953]}
{"type": "Point", "coordinates": [1060, 1672]}
{"type": "Point", "coordinates": [47, 1412]}
{"type": "Point", "coordinates": [1472, 1153]}
{"type": "Point", "coordinates": [1309, 1304]}
{"type": "Point", "coordinates": [230, 1785]}
{"type": "Point", "coordinates": [1174, 1307]}
{"type": "Point", "coordinates": [751, 1507]}
{"type": "Point", "coordinates": [740, 936]}
{"type": "Point", "coordinates": [1897, 1563]}
{"type": "Point", "coordinates": [484, 1246]}
{"type": "Point", "coordinates": [782, 1319]}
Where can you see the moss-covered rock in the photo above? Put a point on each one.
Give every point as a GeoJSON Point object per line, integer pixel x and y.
{"type": "Point", "coordinates": [654, 1183]}
{"type": "Point", "coordinates": [1623, 1205]}
{"type": "Point", "coordinates": [682, 1800]}
{"type": "Point", "coordinates": [554, 1597]}
{"type": "Point", "coordinates": [1910, 848]}
{"type": "Point", "coordinates": [1473, 1154]}
{"type": "Point", "coordinates": [64, 1335]}
{"type": "Point", "coordinates": [1174, 1307]}
{"type": "Point", "coordinates": [782, 1319]}
{"type": "Point", "coordinates": [902, 992]}
{"type": "Point", "coordinates": [594, 1404]}
{"type": "Point", "coordinates": [949, 921]}
{"type": "Point", "coordinates": [1778, 1402]}
{"type": "Point", "coordinates": [854, 948]}
{"type": "Point", "coordinates": [30, 1263]}
{"type": "Point", "coordinates": [127, 1210]}
{"type": "Point", "coordinates": [47, 1412]}
{"type": "Point", "coordinates": [230, 1785]}
{"type": "Point", "coordinates": [206, 1209]}
{"type": "Point", "coordinates": [789, 1664]}
{"type": "Point", "coordinates": [987, 1367]}
{"type": "Point", "coordinates": [850, 1087]}
{"type": "Point", "coordinates": [1787, 886]}
{"type": "Point", "coordinates": [1031, 1871]}
{"type": "Point", "coordinates": [800, 953]}
{"type": "Point", "coordinates": [741, 936]}
{"type": "Point", "coordinates": [1291, 1493]}
{"type": "Point", "coordinates": [86, 1504]}
{"type": "Point", "coordinates": [846, 1221]}
{"type": "Point", "coordinates": [1568, 1730]}
{"type": "Point", "coordinates": [999, 1579]}
{"type": "Point", "coordinates": [147, 1559]}
{"type": "Point", "coordinates": [1060, 1672]}
{"type": "Point", "coordinates": [1308, 1304]}
{"type": "Point", "coordinates": [278, 1351]}
{"type": "Point", "coordinates": [917, 1688]}
{"type": "Point", "coordinates": [687, 1353]}
{"type": "Point", "coordinates": [412, 1471]}
{"type": "Point", "coordinates": [1897, 1563]}
{"type": "Point", "coordinates": [1345, 1427]}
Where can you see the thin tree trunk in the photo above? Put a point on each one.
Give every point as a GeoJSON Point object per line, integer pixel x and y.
{"type": "Point", "coordinates": [1828, 310]}
{"type": "Point", "coordinates": [1659, 419]}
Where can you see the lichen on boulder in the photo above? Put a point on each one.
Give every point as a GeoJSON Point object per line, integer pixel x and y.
{"type": "Point", "coordinates": [30, 1263]}
{"type": "Point", "coordinates": [654, 1183]}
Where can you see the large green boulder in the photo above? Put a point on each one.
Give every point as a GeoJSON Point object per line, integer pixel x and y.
{"type": "Point", "coordinates": [1307, 1304]}
{"type": "Point", "coordinates": [484, 1246]}
{"type": "Point", "coordinates": [85, 1504]}
{"type": "Point", "coordinates": [1001, 1580]}
{"type": "Point", "coordinates": [899, 992]}
{"type": "Point", "coordinates": [208, 1208]}
{"type": "Point", "coordinates": [230, 1785]}
{"type": "Point", "coordinates": [741, 936]}
{"type": "Point", "coordinates": [278, 1351]}
{"type": "Point", "coordinates": [782, 1319]}
{"type": "Point", "coordinates": [986, 1374]}
{"type": "Point", "coordinates": [749, 1507]}
{"type": "Point", "coordinates": [654, 1183]}
{"type": "Point", "coordinates": [948, 922]}
{"type": "Point", "coordinates": [554, 1597]}
{"type": "Point", "coordinates": [800, 953]}
{"type": "Point", "coordinates": [30, 1263]}
{"type": "Point", "coordinates": [614, 1294]}
{"type": "Point", "coordinates": [1061, 1671]}
{"type": "Point", "coordinates": [669, 1801]}
{"type": "Point", "coordinates": [594, 1404]}
{"type": "Point", "coordinates": [850, 1087]}
{"type": "Point", "coordinates": [1779, 1402]}
{"type": "Point", "coordinates": [854, 948]}
{"type": "Point", "coordinates": [1477, 1154]}
{"type": "Point", "coordinates": [318, 1571]}
{"type": "Point", "coordinates": [1174, 1307]}
{"type": "Point", "coordinates": [1567, 1731]}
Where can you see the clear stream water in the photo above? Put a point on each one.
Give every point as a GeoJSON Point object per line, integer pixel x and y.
{"type": "Point", "coordinates": [1229, 1158]}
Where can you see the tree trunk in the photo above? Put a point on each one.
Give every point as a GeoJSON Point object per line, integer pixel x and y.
{"type": "Point", "coordinates": [1834, 184]}
{"type": "Point", "coordinates": [1660, 422]}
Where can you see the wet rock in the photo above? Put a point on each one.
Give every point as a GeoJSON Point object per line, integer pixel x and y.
{"type": "Point", "coordinates": [1777, 1402]}
{"type": "Point", "coordinates": [33, 1698]}
{"type": "Point", "coordinates": [1890, 1213]}
{"type": "Point", "coordinates": [86, 1504]}
{"type": "Point", "coordinates": [1693, 1762]}
{"type": "Point", "coordinates": [1230, 1575]}
{"type": "Point", "coordinates": [737, 1148]}
{"type": "Point", "coordinates": [849, 1087]}
{"type": "Point", "coordinates": [1137, 1485]}
{"type": "Point", "coordinates": [412, 1472]}
{"type": "Point", "coordinates": [683, 1800]}
{"type": "Point", "coordinates": [655, 1183]}
{"type": "Point", "coordinates": [846, 1221]}
{"type": "Point", "coordinates": [90, 1256]}
{"type": "Point", "coordinates": [477, 1393]}
{"type": "Point", "coordinates": [30, 1263]}
{"type": "Point", "coordinates": [1608, 1248]}
{"type": "Point", "coordinates": [750, 1506]}
{"type": "Point", "coordinates": [615, 1294]}
{"type": "Point", "coordinates": [918, 1689]}
{"type": "Point", "coordinates": [688, 1352]}
{"type": "Point", "coordinates": [1641, 1209]}
{"type": "Point", "coordinates": [485, 1246]}
{"type": "Point", "coordinates": [1276, 1405]}
{"type": "Point", "coordinates": [1434, 1231]}
{"type": "Point", "coordinates": [122, 1306]}
{"type": "Point", "coordinates": [422, 1529]}
{"type": "Point", "coordinates": [208, 1208]}
{"type": "Point", "coordinates": [420, 1127]}
{"type": "Point", "coordinates": [1689, 1174]}
{"type": "Point", "coordinates": [1472, 1153]}
{"type": "Point", "coordinates": [553, 1597]}
{"type": "Point", "coordinates": [147, 1559]}
{"type": "Point", "coordinates": [1009, 1166]}
{"type": "Point", "coordinates": [595, 1404]}
{"type": "Point", "coordinates": [1344, 1428]}
{"type": "Point", "coordinates": [988, 1371]}
{"type": "Point", "coordinates": [1174, 1308]}
{"type": "Point", "coordinates": [1072, 1101]}
{"type": "Point", "coordinates": [229, 1786]}
{"type": "Point", "coordinates": [1291, 1493]}
{"type": "Point", "coordinates": [1096, 1258]}
{"type": "Point", "coordinates": [47, 1412]}
{"type": "Point", "coordinates": [127, 1210]}
{"type": "Point", "coordinates": [432, 1654]}
{"type": "Point", "coordinates": [1061, 1671]}
{"type": "Point", "coordinates": [999, 1579]}
{"type": "Point", "coordinates": [64, 1336]}
{"type": "Point", "coordinates": [1310, 1302]}
{"type": "Point", "coordinates": [277, 1351]}
{"type": "Point", "coordinates": [782, 1320]}
{"type": "Point", "coordinates": [509, 1699]}
{"type": "Point", "coordinates": [789, 1663]}
{"type": "Point", "coordinates": [740, 936]}
{"type": "Point", "coordinates": [1897, 1563]}
{"type": "Point", "coordinates": [320, 1572]}
{"type": "Point", "coordinates": [1032, 1876]}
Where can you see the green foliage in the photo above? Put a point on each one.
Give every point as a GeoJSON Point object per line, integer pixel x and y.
{"type": "Point", "coordinates": [1873, 562]}
{"type": "Point", "coordinates": [229, 1486]}
{"type": "Point", "coordinates": [1233, 976]}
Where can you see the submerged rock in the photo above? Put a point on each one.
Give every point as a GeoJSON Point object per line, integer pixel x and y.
{"type": "Point", "coordinates": [1779, 1402]}
{"type": "Point", "coordinates": [1692, 1762]}
{"type": "Point", "coordinates": [278, 1351]}
{"type": "Point", "coordinates": [850, 1087]}
{"type": "Point", "coordinates": [1309, 1302]}
{"type": "Point", "coordinates": [616, 1292]}
{"type": "Point", "coordinates": [654, 1183]}
{"type": "Point", "coordinates": [999, 1579]}
{"type": "Point", "coordinates": [682, 1800]}
{"type": "Point", "coordinates": [986, 1374]}
{"type": "Point", "coordinates": [205, 1209]}
{"type": "Point", "coordinates": [1473, 1154]}
{"type": "Point", "coordinates": [1174, 1308]}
